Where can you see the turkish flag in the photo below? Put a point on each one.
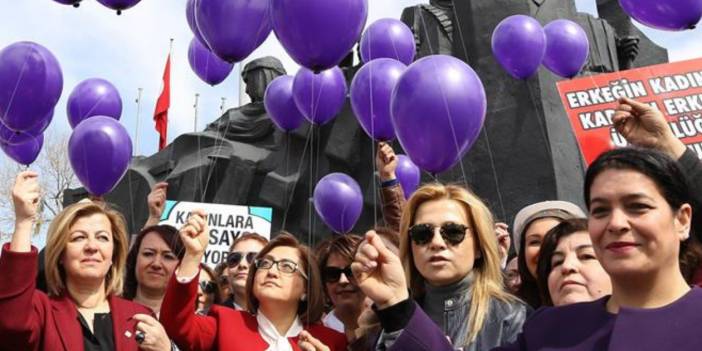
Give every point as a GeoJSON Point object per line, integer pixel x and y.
{"type": "Point", "coordinates": [162, 105]}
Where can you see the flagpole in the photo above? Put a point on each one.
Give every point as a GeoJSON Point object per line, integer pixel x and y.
{"type": "Point", "coordinates": [197, 96]}
{"type": "Point", "coordinates": [136, 133]}
{"type": "Point", "coordinates": [170, 62]}
{"type": "Point", "coordinates": [221, 107]}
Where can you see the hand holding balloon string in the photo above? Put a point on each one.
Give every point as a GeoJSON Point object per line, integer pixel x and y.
{"type": "Point", "coordinates": [386, 161]}
{"type": "Point", "coordinates": [26, 198]}
{"type": "Point", "coordinates": [379, 273]}
{"type": "Point", "coordinates": [195, 239]}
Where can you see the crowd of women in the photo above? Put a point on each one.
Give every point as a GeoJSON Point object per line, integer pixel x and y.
{"type": "Point", "coordinates": [437, 276]}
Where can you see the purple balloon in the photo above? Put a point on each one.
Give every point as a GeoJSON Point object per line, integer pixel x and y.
{"type": "Point", "coordinates": [567, 48]}
{"type": "Point", "coordinates": [408, 174]}
{"type": "Point", "coordinates": [388, 38]}
{"type": "Point", "coordinates": [99, 150]}
{"type": "Point", "coordinates": [93, 97]}
{"type": "Point", "coordinates": [438, 108]}
{"type": "Point", "coordinates": [338, 200]}
{"type": "Point", "coordinates": [30, 85]}
{"type": "Point", "coordinates": [371, 90]}
{"type": "Point", "coordinates": [75, 3]}
{"type": "Point", "coordinates": [233, 29]}
{"type": "Point", "coordinates": [210, 68]}
{"type": "Point", "coordinates": [280, 104]}
{"type": "Point", "coordinates": [119, 5]}
{"type": "Point", "coordinates": [192, 23]}
{"type": "Point", "coordinates": [11, 137]}
{"type": "Point", "coordinates": [519, 45]}
{"type": "Point", "coordinates": [24, 153]}
{"type": "Point", "coordinates": [674, 15]}
{"type": "Point", "coordinates": [320, 97]}
{"type": "Point", "coordinates": [318, 34]}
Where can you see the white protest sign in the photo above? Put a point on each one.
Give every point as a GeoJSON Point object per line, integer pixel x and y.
{"type": "Point", "coordinates": [225, 223]}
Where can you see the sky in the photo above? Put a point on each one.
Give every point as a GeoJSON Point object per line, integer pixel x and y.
{"type": "Point", "coordinates": [130, 51]}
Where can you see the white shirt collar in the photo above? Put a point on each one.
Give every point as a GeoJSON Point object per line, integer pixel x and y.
{"type": "Point", "coordinates": [270, 335]}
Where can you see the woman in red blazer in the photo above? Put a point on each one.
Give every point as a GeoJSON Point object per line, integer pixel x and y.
{"type": "Point", "coordinates": [284, 294]}
{"type": "Point", "coordinates": [85, 256]}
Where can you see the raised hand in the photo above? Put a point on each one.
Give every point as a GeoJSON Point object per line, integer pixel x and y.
{"type": "Point", "coordinates": [643, 125]}
{"type": "Point", "coordinates": [195, 237]}
{"type": "Point", "coordinates": [157, 202]}
{"type": "Point", "coordinates": [379, 273]}
{"type": "Point", "coordinates": [503, 240]}
{"type": "Point", "coordinates": [195, 234]}
{"type": "Point", "coordinates": [386, 161]}
{"type": "Point", "coordinates": [26, 197]}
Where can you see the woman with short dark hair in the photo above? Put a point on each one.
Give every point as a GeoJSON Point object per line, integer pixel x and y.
{"type": "Point", "coordinates": [284, 293]}
{"type": "Point", "coordinates": [568, 269]}
{"type": "Point", "coordinates": [640, 214]}
{"type": "Point", "coordinates": [152, 259]}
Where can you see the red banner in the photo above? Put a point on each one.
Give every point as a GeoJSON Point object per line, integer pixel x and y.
{"type": "Point", "coordinates": [674, 88]}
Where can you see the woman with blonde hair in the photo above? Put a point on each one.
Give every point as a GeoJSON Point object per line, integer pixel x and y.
{"type": "Point", "coordinates": [449, 256]}
{"type": "Point", "coordinates": [86, 253]}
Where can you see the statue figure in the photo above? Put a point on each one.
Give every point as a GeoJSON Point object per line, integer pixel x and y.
{"type": "Point", "coordinates": [432, 25]}
{"type": "Point", "coordinates": [250, 123]}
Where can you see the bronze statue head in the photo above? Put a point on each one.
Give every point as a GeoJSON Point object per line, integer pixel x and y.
{"type": "Point", "coordinates": [260, 72]}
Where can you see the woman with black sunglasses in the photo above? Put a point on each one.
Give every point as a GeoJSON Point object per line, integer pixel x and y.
{"type": "Point", "coordinates": [449, 253]}
{"type": "Point", "coordinates": [242, 254]}
{"type": "Point", "coordinates": [207, 290]}
{"type": "Point", "coordinates": [335, 257]}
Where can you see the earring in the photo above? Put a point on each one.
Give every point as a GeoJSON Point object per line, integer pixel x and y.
{"type": "Point", "coordinates": [303, 297]}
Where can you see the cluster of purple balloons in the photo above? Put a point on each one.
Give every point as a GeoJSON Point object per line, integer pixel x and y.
{"type": "Point", "coordinates": [316, 97]}
{"type": "Point", "coordinates": [100, 147]}
{"type": "Point", "coordinates": [387, 47]}
{"type": "Point", "coordinates": [117, 5]}
{"type": "Point", "coordinates": [520, 44]}
{"type": "Point", "coordinates": [31, 83]}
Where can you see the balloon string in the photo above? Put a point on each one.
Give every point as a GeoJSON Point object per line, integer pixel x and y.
{"type": "Point", "coordinates": [299, 174]}
{"type": "Point", "coordinates": [287, 171]}
{"type": "Point", "coordinates": [375, 185]}
{"type": "Point", "coordinates": [131, 203]}
{"type": "Point", "coordinates": [448, 111]}
{"type": "Point", "coordinates": [542, 128]}
{"type": "Point", "coordinates": [219, 144]}
{"type": "Point", "coordinates": [484, 129]}
{"type": "Point", "coordinates": [97, 103]}
{"type": "Point", "coordinates": [453, 130]}
{"type": "Point", "coordinates": [318, 140]}
{"type": "Point", "coordinates": [314, 103]}
{"type": "Point", "coordinates": [372, 141]}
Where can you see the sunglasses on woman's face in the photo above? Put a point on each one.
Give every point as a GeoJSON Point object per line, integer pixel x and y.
{"type": "Point", "coordinates": [333, 274]}
{"type": "Point", "coordinates": [235, 258]}
{"type": "Point", "coordinates": [452, 233]}
{"type": "Point", "coordinates": [208, 287]}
